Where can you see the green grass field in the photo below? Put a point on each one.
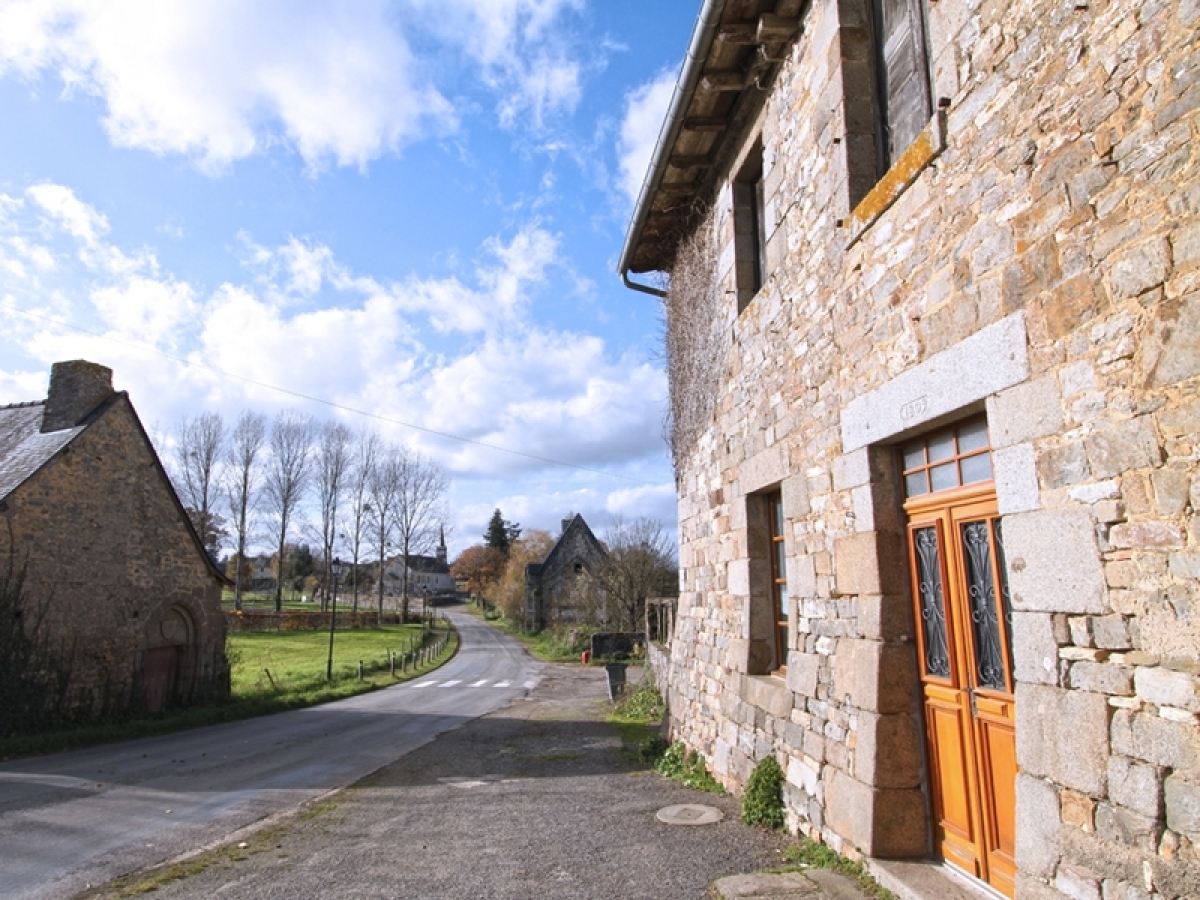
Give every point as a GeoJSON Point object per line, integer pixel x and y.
{"type": "Point", "coordinates": [296, 660]}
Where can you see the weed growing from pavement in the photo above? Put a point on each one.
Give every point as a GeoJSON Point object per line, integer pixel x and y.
{"type": "Point", "coordinates": [688, 769]}
{"type": "Point", "coordinates": [762, 803]}
{"type": "Point", "coordinates": [810, 854]}
{"type": "Point", "coordinates": [636, 716]}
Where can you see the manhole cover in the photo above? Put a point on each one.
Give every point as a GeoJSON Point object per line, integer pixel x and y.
{"type": "Point", "coordinates": [689, 814]}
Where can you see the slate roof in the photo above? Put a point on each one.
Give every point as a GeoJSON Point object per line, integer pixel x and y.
{"type": "Point", "coordinates": [536, 569]}
{"type": "Point", "coordinates": [23, 447]}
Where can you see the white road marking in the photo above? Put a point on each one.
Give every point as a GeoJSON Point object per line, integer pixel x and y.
{"type": "Point", "coordinates": [502, 684]}
{"type": "Point", "coordinates": [480, 683]}
{"type": "Point", "coordinates": [425, 684]}
{"type": "Point", "coordinates": [452, 682]}
{"type": "Point", "coordinates": [531, 684]}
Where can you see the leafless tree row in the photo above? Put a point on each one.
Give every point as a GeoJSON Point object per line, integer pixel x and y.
{"type": "Point", "coordinates": [367, 496]}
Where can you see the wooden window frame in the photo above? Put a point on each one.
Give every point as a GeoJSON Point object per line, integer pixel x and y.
{"type": "Point", "coordinates": [777, 553]}
{"type": "Point", "coordinates": [749, 227]}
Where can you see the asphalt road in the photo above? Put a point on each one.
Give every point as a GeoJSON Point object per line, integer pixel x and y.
{"type": "Point", "coordinates": [73, 820]}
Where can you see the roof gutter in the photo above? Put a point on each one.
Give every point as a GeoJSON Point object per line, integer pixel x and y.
{"type": "Point", "coordinates": [703, 34]}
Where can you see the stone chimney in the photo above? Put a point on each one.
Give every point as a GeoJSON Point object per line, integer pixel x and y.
{"type": "Point", "coordinates": [567, 521]}
{"type": "Point", "coordinates": [76, 388]}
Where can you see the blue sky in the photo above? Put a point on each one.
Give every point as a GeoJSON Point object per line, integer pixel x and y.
{"type": "Point", "coordinates": [412, 209]}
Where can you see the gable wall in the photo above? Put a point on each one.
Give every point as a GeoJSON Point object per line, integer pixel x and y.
{"type": "Point", "coordinates": [1044, 268]}
{"type": "Point", "coordinates": [110, 554]}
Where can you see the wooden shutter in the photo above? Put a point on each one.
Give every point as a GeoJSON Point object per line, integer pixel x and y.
{"type": "Point", "coordinates": [904, 81]}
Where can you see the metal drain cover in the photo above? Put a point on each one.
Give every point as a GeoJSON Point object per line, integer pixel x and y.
{"type": "Point", "coordinates": [689, 814]}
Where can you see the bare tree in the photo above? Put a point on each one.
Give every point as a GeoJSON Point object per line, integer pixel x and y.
{"type": "Point", "coordinates": [198, 456]}
{"type": "Point", "coordinates": [333, 463]}
{"type": "Point", "coordinates": [383, 487]}
{"type": "Point", "coordinates": [366, 451]}
{"type": "Point", "coordinates": [419, 509]}
{"type": "Point", "coordinates": [287, 478]}
{"type": "Point", "coordinates": [245, 444]}
{"type": "Point", "coordinates": [640, 564]}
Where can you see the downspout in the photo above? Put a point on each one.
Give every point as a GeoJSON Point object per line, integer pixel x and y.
{"type": "Point", "coordinates": [703, 34]}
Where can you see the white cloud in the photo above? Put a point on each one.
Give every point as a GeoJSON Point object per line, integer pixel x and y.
{"type": "Point", "coordinates": [80, 220]}
{"type": "Point", "coordinates": [523, 49]}
{"type": "Point", "coordinates": [220, 80]}
{"type": "Point", "coordinates": [645, 110]}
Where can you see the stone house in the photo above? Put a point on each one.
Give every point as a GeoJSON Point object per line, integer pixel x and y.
{"type": "Point", "coordinates": [130, 601]}
{"type": "Point", "coordinates": [554, 588]}
{"type": "Point", "coordinates": [933, 338]}
{"type": "Point", "coordinates": [428, 575]}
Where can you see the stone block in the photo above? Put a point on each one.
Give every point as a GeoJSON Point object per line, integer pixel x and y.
{"type": "Point", "coordinates": [1062, 466]}
{"type": "Point", "coordinates": [1078, 810]}
{"type": "Point", "coordinates": [1137, 269]}
{"type": "Point", "coordinates": [990, 360]}
{"type": "Point", "coordinates": [738, 573]}
{"type": "Point", "coordinates": [1039, 816]}
{"type": "Point", "coordinates": [1145, 536]}
{"type": "Point", "coordinates": [874, 676]}
{"type": "Point", "coordinates": [794, 491]}
{"type": "Point", "coordinates": [1119, 447]}
{"type": "Point", "coordinates": [870, 563]}
{"type": "Point", "coordinates": [1158, 741]}
{"type": "Point", "coordinates": [802, 672]}
{"type": "Point", "coordinates": [1135, 786]}
{"type": "Point", "coordinates": [1101, 678]}
{"type": "Point", "coordinates": [885, 823]}
{"type": "Point", "coordinates": [1167, 687]}
{"type": "Point", "coordinates": [1053, 562]}
{"type": "Point", "coordinates": [1078, 884]}
{"type": "Point", "coordinates": [1111, 632]}
{"type": "Point", "coordinates": [1171, 486]}
{"type": "Point", "coordinates": [850, 470]}
{"type": "Point", "coordinates": [888, 751]}
{"type": "Point", "coordinates": [765, 469]}
{"type": "Point", "coordinates": [1025, 412]}
{"type": "Point", "coordinates": [1182, 800]}
{"type": "Point", "coordinates": [1035, 649]}
{"type": "Point", "coordinates": [769, 694]}
{"type": "Point", "coordinates": [885, 618]}
{"type": "Point", "coordinates": [1016, 476]}
{"type": "Point", "coordinates": [803, 776]}
{"type": "Point", "coordinates": [1063, 735]}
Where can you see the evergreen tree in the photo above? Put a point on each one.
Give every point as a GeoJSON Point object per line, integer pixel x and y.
{"type": "Point", "coordinates": [501, 533]}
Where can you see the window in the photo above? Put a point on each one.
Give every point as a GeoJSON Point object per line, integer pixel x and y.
{"type": "Point", "coordinates": [779, 591]}
{"type": "Point", "coordinates": [749, 231]}
{"type": "Point", "coordinates": [902, 77]}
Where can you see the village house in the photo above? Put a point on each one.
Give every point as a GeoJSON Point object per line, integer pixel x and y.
{"type": "Point", "coordinates": [129, 602]}
{"type": "Point", "coordinates": [555, 589]}
{"type": "Point", "coordinates": [426, 575]}
{"type": "Point", "coordinates": [933, 340]}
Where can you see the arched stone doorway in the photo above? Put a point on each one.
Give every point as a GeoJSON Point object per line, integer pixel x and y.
{"type": "Point", "coordinates": [168, 667]}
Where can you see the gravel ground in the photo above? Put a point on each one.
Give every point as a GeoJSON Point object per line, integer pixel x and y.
{"type": "Point", "coordinates": [535, 800]}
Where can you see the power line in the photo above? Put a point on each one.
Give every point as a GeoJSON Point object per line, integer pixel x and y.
{"type": "Point", "coordinates": [134, 345]}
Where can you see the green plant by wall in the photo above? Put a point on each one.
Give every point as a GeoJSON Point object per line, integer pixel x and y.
{"type": "Point", "coordinates": [810, 854]}
{"type": "Point", "coordinates": [688, 769]}
{"type": "Point", "coordinates": [762, 804]}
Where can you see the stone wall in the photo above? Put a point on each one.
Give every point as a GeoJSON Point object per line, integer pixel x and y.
{"type": "Point", "coordinates": [111, 559]}
{"type": "Point", "coordinates": [1038, 262]}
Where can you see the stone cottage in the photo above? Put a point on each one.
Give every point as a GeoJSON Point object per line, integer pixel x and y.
{"type": "Point", "coordinates": [554, 589]}
{"type": "Point", "coordinates": [933, 342]}
{"type": "Point", "coordinates": [129, 601]}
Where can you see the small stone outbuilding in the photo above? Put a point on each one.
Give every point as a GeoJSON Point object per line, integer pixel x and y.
{"type": "Point", "coordinates": [554, 588]}
{"type": "Point", "coordinates": [126, 600]}
{"type": "Point", "coordinates": [933, 340]}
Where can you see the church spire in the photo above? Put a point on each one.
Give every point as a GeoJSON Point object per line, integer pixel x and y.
{"type": "Point", "coordinates": [441, 550]}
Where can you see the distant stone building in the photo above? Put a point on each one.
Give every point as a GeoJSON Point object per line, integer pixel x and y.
{"type": "Point", "coordinates": [933, 337]}
{"type": "Point", "coordinates": [552, 587]}
{"type": "Point", "coordinates": [131, 600]}
{"type": "Point", "coordinates": [428, 575]}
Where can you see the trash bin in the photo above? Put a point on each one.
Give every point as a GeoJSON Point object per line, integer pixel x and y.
{"type": "Point", "coordinates": [616, 679]}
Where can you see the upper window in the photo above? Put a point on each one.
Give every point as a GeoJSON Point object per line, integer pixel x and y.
{"type": "Point", "coordinates": [902, 77]}
{"type": "Point", "coordinates": [749, 231]}
{"type": "Point", "coordinates": [947, 459]}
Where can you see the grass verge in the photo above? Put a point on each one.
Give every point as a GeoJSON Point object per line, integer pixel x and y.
{"type": "Point", "coordinates": [296, 661]}
{"type": "Point", "coordinates": [545, 645]}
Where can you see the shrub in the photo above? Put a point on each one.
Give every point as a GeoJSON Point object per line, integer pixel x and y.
{"type": "Point", "coordinates": [688, 769]}
{"type": "Point", "coordinates": [762, 804]}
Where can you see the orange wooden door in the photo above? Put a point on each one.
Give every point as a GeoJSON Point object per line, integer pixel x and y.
{"type": "Point", "coordinates": [957, 565]}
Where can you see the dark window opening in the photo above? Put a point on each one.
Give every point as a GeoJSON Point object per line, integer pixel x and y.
{"type": "Point", "coordinates": [749, 230]}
